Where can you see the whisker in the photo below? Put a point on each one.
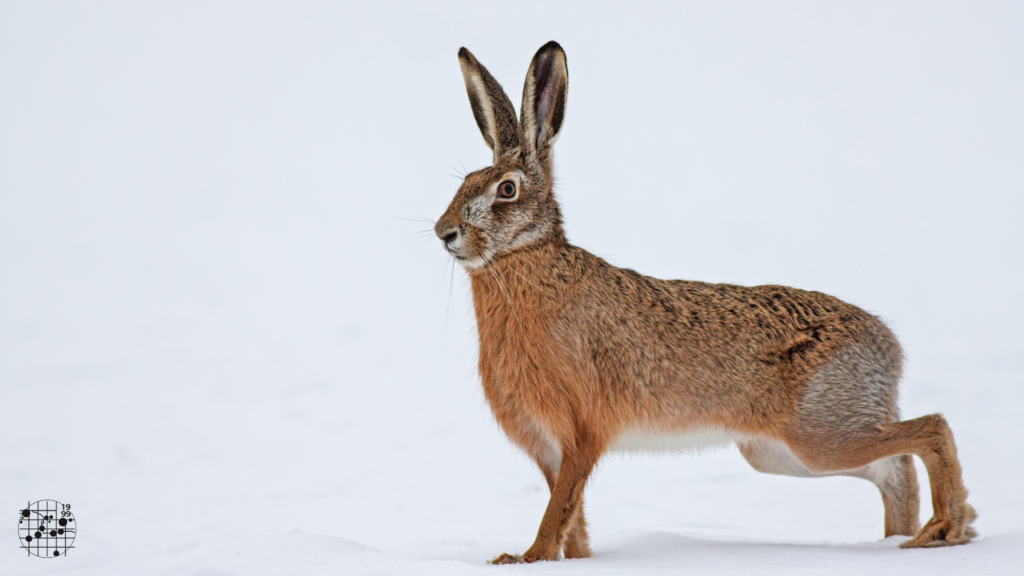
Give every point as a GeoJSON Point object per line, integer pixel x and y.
{"type": "Point", "coordinates": [427, 220]}
{"type": "Point", "coordinates": [440, 279]}
{"type": "Point", "coordinates": [448, 307]}
{"type": "Point", "coordinates": [454, 169]}
{"type": "Point", "coordinates": [513, 270]}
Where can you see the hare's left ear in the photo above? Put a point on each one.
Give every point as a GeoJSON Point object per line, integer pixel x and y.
{"type": "Point", "coordinates": [544, 95]}
{"type": "Point", "coordinates": [492, 109]}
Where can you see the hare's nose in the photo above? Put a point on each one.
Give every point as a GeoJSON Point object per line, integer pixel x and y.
{"type": "Point", "coordinates": [450, 237]}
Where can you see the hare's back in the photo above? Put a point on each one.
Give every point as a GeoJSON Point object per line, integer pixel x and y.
{"type": "Point", "coordinates": [670, 332]}
{"type": "Point", "coordinates": [795, 330]}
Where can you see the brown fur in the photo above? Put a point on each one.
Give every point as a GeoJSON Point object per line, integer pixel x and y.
{"type": "Point", "coordinates": [575, 351]}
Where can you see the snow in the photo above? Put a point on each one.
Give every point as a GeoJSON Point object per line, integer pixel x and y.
{"type": "Point", "coordinates": [225, 341]}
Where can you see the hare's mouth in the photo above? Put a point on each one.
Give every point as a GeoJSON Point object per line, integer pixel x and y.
{"type": "Point", "coordinates": [469, 262]}
{"type": "Point", "coordinates": [466, 254]}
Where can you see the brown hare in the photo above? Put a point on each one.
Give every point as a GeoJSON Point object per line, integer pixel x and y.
{"type": "Point", "coordinates": [579, 357]}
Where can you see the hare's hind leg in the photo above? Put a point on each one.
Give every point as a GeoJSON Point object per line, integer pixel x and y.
{"type": "Point", "coordinates": [897, 481]}
{"type": "Point", "coordinates": [929, 438]}
{"type": "Point", "coordinates": [847, 420]}
{"type": "Point", "coordinates": [894, 476]}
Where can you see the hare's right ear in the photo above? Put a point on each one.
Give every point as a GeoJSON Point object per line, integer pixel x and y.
{"type": "Point", "coordinates": [544, 95]}
{"type": "Point", "coordinates": [491, 107]}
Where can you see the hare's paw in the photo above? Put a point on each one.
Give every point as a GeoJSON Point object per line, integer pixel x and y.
{"type": "Point", "coordinates": [936, 533]}
{"type": "Point", "coordinates": [537, 553]}
{"type": "Point", "coordinates": [945, 531]}
{"type": "Point", "coordinates": [507, 559]}
{"type": "Point", "coordinates": [529, 557]}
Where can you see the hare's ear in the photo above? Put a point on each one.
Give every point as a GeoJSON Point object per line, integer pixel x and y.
{"type": "Point", "coordinates": [491, 107]}
{"type": "Point", "coordinates": [547, 86]}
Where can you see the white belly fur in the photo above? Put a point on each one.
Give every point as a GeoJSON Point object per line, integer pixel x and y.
{"type": "Point", "coordinates": [661, 442]}
{"type": "Point", "coordinates": [764, 454]}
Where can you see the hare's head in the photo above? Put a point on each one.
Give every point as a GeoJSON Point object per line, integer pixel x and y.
{"type": "Point", "coordinates": [509, 205]}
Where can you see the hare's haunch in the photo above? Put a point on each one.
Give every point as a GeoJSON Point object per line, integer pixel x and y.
{"type": "Point", "coordinates": [578, 357]}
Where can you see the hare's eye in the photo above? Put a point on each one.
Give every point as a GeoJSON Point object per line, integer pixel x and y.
{"type": "Point", "coordinates": [507, 190]}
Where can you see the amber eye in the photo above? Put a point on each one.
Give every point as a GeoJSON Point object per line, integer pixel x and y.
{"type": "Point", "coordinates": [507, 189]}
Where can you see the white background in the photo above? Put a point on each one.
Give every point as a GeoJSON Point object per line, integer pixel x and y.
{"type": "Point", "coordinates": [224, 342]}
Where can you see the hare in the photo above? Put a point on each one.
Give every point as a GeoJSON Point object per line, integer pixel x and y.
{"type": "Point", "coordinates": [579, 357]}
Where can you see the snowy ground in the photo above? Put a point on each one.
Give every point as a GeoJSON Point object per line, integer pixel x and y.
{"type": "Point", "coordinates": [224, 343]}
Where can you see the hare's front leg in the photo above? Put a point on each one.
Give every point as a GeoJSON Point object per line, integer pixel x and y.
{"type": "Point", "coordinates": [577, 541]}
{"type": "Point", "coordinates": [564, 509]}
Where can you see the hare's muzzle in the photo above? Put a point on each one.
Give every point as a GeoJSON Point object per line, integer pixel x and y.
{"type": "Point", "coordinates": [446, 230]}
{"type": "Point", "coordinates": [449, 237]}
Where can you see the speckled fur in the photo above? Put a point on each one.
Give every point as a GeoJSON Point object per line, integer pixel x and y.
{"type": "Point", "coordinates": [574, 351]}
